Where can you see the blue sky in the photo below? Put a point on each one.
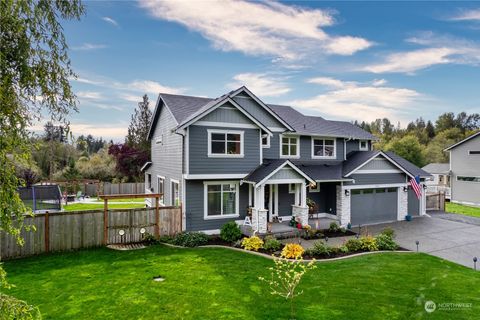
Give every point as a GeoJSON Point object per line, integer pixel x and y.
{"type": "Point", "coordinates": [339, 60]}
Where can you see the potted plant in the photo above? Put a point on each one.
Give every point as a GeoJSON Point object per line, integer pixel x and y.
{"type": "Point", "coordinates": [408, 217]}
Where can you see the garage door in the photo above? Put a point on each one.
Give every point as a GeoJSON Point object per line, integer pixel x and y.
{"type": "Point", "coordinates": [373, 205]}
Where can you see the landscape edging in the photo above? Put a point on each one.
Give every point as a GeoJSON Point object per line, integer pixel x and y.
{"type": "Point", "coordinates": [260, 254]}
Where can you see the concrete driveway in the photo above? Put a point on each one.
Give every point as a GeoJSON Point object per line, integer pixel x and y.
{"type": "Point", "coordinates": [456, 241]}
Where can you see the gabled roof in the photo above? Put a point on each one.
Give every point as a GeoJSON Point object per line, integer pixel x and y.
{"type": "Point", "coordinates": [464, 140]}
{"type": "Point", "coordinates": [322, 171]}
{"type": "Point", "coordinates": [269, 167]}
{"type": "Point", "coordinates": [437, 168]}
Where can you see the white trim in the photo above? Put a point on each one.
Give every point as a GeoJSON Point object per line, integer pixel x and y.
{"type": "Point", "coordinates": [159, 139]}
{"type": "Point", "coordinates": [314, 190]}
{"type": "Point", "coordinates": [148, 163]}
{"type": "Point", "coordinates": [205, 200]}
{"type": "Point", "coordinates": [184, 205]}
{"type": "Point", "coordinates": [270, 202]}
{"type": "Point", "coordinates": [300, 172]}
{"type": "Point", "coordinates": [187, 150]}
{"type": "Point", "coordinates": [360, 145]}
{"type": "Point", "coordinates": [284, 181]}
{"type": "Point", "coordinates": [227, 108]}
{"type": "Point", "coordinates": [375, 186]}
{"type": "Point", "coordinates": [250, 203]}
{"type": "Point", "coordinates": [297, 137]}
{"type": "Point", "coordinates": [172, 181]}
{"type": "Point", "coordinates": [225, 124]}
{"type": "Point", "coordinates": [334, 156]}
{"type": "Point", "coordinates": [268, 140]}
{"type": "Point", "coordinates": [261, 147]}
{"type": "Point", "coordinates": [275, 195]}
{"type": "Point", "coordinates": [373, 157]}
{"type": "Point", "coordinates": [215, 176]}
{"type": "Point", "coordinates": [226, 132]}
{"type": "Point", "coordinates": [158, 189]}
{"type": "Point", "coordinates": [377, 171]}
{"type": "Point", "coordinates": [290, 190]}
{"type": "Point", "coordinates": [211, 232]}
{"type": "Point", "coordinates": [276, 129]}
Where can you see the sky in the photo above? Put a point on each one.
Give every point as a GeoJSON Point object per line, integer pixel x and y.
{"type": "Point", "coordinates": [339, 60]}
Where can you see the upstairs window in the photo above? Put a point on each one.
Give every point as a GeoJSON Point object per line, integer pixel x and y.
{"type": "Point", "coordinates": [323, 148]}
{"type": "Point", "coordinates": [224, 144]}
{"type": "Point", "coordinates": [363, 145]}
{"type": "Point", "coordinates": [265, 141]}
{"type": "Point", "coordinates": [289, 147]}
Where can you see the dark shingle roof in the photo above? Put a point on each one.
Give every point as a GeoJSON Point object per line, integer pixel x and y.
{"type": "Point", "coordinates": [407, 165]}
{"type": "Point", "coordinates": [357, 158]}
{"type": "Point", "coordinates": [318, 171]}
{"type": "Point", "coordinates": [263, 170]}
{"type": "Point", "coordinates": [437, 168]}
{"type": "Point", "coordinates": [183, 106]}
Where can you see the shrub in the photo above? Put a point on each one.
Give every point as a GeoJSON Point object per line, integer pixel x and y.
{"type": "Point", "coordinates": [385, 242]}
{"type": "Point", "coordinates": [388, 232]}
{"type": "Point", "coordinates": [230, 232]}
{"type": "Point", "coordinates": [319, 249]}
{"type": "Point", "coordinates": [166, 239]}
{"type": "Point", "coordinates": [343, 249]}
{"type": "Point", "coordinates": [190, 239]}
{"type": "Point", "coordinates": [252, 244]}
{"type": "Point", "coordinates": [292, 251]}
{"type": "Point", "coordinates": [334, 227]}
{"type": "Point", "coordinates": [271, 244]}
{"type": "Point", "coordinates": [150, 239]}
{"type": "Point", "coordinates": [353, 245]}
{"type": "Point", "coordinates": [369, 243]}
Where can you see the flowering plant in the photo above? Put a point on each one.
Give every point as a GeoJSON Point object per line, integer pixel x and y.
{"type": "Point", "coordinates": [292, 251]}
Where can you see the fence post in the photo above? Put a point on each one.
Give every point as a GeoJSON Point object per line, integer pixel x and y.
{"type": "Point", "coordinates": [157, 217]}
{"type": "Point", "coordinates": [105, 221]}
{"type": "Point", "coordinates": [47, 232]}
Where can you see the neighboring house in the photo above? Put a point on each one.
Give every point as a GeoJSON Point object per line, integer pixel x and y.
{"type": "Point", "coordinates": [465, 170]}
{"type": "Point", "coordinates": [441, 178]}
{"type": "Point", "coordinates": [219, 157]}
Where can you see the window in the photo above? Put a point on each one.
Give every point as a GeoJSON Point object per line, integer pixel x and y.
{"type": "Point", "coordinates": [291, 188]}
{"type": "Point", "coordinates": [159, 139]}
{"type": "Point", "coordinates": [161, 188]}
{"type": "Point", "coordinates": [314, 189]}
{"type": "Point", "coordinates": [356, 191]}
{"type": "Point", "coordinates": [380, 190]}
{"type": "Point", "coordinates": [391, 189]}
{"type": "Point", "coordinates": [468, 179]}
{"type": "Point", "coordinates": [471, 152]}
{"type": "Point", "coordinates": [221, 200]}
{"type": "Point", "coordinates": [440, 178]}
{"type": "Point", "coordinates": [225, 143]}
{"type": "Point", "coordinates": [265, 141]}
{"type": "Point", "coordinates": [363, 145]}
{"type": "Point", "coordinates": [289, 147]}
{"type": "Point", "coordinates": [148, 181]}
{"type": "Point", "coordinates": [174, 194]}
{"type": "Point", "coordinates": [323, 148]}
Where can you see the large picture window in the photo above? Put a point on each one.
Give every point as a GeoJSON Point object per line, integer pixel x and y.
{"type": "Point", "coordinates": [221, 199]}
{"type": "Point", "coordinates": [289, 147]}
{"type": "Point", "coordinates": [225, 143]}
{"type": "Point", "coordinates": [323, 148]}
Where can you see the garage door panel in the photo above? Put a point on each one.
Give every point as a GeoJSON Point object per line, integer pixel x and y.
{"type": "Point", "coordinates": [373, 205]}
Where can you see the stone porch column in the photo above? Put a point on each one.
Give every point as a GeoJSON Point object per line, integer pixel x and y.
{"type": "Point", "coordinates": [402, 204]}
{"type": "Point", "coordinates": [343, 206]}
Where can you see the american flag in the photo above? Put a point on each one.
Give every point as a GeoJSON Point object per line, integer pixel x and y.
{"type": "Point", "coordinates": [415, 183]}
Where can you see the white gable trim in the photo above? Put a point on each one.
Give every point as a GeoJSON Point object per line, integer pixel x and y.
{"type": "Point", "coordinates": [375, 156]}
{"type": "Point", "coordinates": [260, 102]}
{"type": "Point", "coordinates": [287, 162]}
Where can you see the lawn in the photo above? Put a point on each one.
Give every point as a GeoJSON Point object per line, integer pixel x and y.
{"type": "Point", "coordinates": [93, 206]}
{"type": "Point", "coordinates": [214, 283]}
{"type": "Point", "coordinates": [462, 209]}
{"type": "Point", "coordinates": [122, 200]}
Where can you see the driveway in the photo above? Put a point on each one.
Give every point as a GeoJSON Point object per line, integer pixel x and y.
{"type": "Point", "coordinates": [456, 241]}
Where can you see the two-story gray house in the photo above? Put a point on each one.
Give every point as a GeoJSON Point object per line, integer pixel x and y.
{"type": "Point", "coordinates": [220, 157]}
{"type": "Point", "coordinates": [465, 170]}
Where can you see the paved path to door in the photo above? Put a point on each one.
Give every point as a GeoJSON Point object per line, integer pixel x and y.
{"type": "Point", "coordinates": [456, 241]}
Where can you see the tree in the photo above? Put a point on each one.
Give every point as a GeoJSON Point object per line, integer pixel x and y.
{"type": "Point", "coordinates": [129, 160]}
{"type": "Point", "coordinates": [409, 148]}
{"type": "Point", "coordinates": [99, 166]}
{"type": "Point", "coordinates": [139, 126]}
{"type": "Point", "coordinates": [430, 129]}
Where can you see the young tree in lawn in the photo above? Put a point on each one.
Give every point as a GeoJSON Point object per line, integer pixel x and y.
{"type": "Point", "coordinates": [139, 125]}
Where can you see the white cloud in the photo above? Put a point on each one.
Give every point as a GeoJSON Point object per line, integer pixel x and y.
{"type": "Point", "coordinates": [115, 132]}
{"type": "Point", "coordinates": [131, 97]}
{"type": "Point", "coordinates": [94, 95]}
{"type": "Point", "coordinates": [108, 106]}
{"type": "Point", "coordinates": [152, 87]}
{"type": "Point", "coordinates": [261, 83]}
{"type": "Point", "coordinates": [349, 100]}
{"type": "Point", "coordinates": [89, 47]}
{"type": "Point", "coordinates": [467, 15]}
{"type": "Point", "coordinates": [110, 20]}
{"type": "Point", "coordinates": [379, 82]}
{"type": "Point", "coordinates": [259, 28]}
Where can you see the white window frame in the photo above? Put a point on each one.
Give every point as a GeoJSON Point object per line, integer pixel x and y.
{"type": "Point", "coordinates": [224, 155]}
{"type": "Point", "coordinates": [316, 189]}
{"type": "Point", "coordinates": [314, 156]}
{"type": "Point", "coordinates": [159, 139]}
{"type": "Point", "coordinates": [172, 200]}
{"type": "Point", "coordinates": [268, 140]}
{"type": "Point", "coordinates": [205, 200]}
{"type": "Point", "coordinates": [297, 139]}
{"type": "Point", "coordinates": [162, 199]}
{"type": "Point", "coordinates": [476, 177]}
{"type": "Point", "coordinates": [290, 189]}
{"type": "Point", "coordinates": [148, 184]}
{"type": "Point", "coordinates": [360, 145]}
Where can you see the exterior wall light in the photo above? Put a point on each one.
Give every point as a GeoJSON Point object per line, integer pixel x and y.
{"type": "Point", "coordinates": [405, 189]}
{"type": "Point", "coordinates": [347, 192]}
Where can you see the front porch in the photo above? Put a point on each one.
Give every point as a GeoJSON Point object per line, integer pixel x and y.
{"type": "Point", "coordinates": [284, 230]}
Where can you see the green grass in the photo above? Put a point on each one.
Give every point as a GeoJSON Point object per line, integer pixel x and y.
{"type": "Point", "coordinates": [122, 200]}
{"type": "Point", "coordinates": [93, 206]}
{"type": "Point", "coordinates": [213, 283]}
{"type": "Point", "coordinates": [462, 209]}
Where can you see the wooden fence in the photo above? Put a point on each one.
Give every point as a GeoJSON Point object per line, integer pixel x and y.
{"type": "Point", "coordinates": [435, 201]}
{"type": "Point", "coordinates": [64, 231]}
{"type": "Point", "coordinates": [123, 188]}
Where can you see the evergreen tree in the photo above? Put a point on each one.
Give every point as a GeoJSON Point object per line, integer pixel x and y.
{"type": "Point", "coordinates": [139, 125]}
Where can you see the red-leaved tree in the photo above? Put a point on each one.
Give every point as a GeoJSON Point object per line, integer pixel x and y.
{"type": "Point", "coordinates": [129, 160]}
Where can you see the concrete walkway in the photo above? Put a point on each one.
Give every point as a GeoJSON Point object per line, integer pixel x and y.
{"type": "Point", "coordinates": [456, 241]}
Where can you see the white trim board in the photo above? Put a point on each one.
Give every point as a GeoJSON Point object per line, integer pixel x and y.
{"type": "Point", "coordinates": [219, 176]}
{"type": "Point", "coordinates": [374, 186]}
{"type": "Point", "coordinates": [225, 125]}
{"type": "Point", "coordinates": [373, 157]}
{"type": "Point", "coordinates": [300, 172]}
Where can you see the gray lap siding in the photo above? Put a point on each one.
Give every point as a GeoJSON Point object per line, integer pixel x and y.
{"type": "Point", "coordinates": [200, 163]}
{"type": "Point", "coordinates": [194, 207]}
{"type": "Point", "coordinates": [379, 178]}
